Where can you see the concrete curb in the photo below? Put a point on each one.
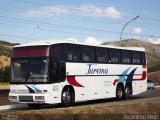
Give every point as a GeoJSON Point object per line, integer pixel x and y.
{"type": "Point", "coordinates": [157, 86]}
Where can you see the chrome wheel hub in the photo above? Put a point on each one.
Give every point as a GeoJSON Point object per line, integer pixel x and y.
{"type": "Point", "coordinates": [127, 91]}
{"type": "Point", "coordinates": [66, 97]}
{"type": "Point", "coordinates": [120, 93]}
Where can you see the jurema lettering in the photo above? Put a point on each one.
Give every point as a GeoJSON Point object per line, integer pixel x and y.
{"type": "Point", "coordinates": [98, 71]}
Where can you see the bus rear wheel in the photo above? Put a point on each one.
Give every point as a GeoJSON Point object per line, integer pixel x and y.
{"type": "Point", "coordinates": [67, 97]}
{"type": "Point", "coordinates": [127, 91]}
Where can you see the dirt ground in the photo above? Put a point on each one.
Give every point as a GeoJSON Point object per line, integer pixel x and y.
{"type": "Point", "coordinates": [4, 101]}
{"type": "Point", "coordinates": [142, 110]}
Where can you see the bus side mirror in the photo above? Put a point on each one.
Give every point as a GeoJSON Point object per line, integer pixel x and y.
{"type": "Point", "coordinates": [61, 71]}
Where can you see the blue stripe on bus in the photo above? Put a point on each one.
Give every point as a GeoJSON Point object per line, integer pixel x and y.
{"type": "Point", "coordinates": [30, 89]}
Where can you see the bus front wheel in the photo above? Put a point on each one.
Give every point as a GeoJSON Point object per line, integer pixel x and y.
{"type": "Point", "coordinates": [67, 97]}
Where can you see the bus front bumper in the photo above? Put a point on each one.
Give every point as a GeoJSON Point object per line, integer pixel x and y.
{"type": "Point", "coordinates": [30, 98]}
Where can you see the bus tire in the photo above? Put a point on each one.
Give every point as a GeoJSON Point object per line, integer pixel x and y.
{"type": "Point", "coordinates": [127, 92]}
{"type": "Point", "coordinates": [67, 97]}
{"type": "Point", "coordinates": [119, 92]}
{"type": "Point", "coordinates": [34, 106]}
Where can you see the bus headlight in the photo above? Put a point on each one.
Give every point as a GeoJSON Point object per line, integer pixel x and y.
{"type": "Point", "coordinates": [39, 97]}
{"type": "Point", "coordinates": [13, 97]}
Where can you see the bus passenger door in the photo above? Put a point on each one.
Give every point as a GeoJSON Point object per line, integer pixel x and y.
{"type": "Point", "coordinates": [57, 72]}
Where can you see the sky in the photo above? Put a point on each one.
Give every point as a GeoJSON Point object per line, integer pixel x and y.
{"type": "Point", "coordinates": [86, 21]}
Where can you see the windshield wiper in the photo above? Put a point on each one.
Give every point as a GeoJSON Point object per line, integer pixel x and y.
{"type": "Point", "coordinates": [27, 76]}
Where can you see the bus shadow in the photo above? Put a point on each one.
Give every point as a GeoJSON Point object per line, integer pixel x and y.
{"type": "Point", "coordinates": [106, 101]}
{"type": "Point", "coordinates": [99, 101]}
{"type": "Point", "coordinates": [79, 104]}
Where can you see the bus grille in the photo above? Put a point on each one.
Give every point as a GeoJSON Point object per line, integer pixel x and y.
{"type": "Point", "coordinates": [26, 98]}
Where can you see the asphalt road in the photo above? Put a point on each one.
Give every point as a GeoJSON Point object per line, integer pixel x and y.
{"type": "Point", "coordinates": [150, 93]}
{"type": "Point", "coordinates": [146, 95]}
{"type": "Point", "coordinates": [4, 97]}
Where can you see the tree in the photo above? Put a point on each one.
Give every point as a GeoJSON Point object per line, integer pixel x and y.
{"type": "Point", "coordinates": [6, 74]}
{"type": "Point", "coordinates": [1, 74]}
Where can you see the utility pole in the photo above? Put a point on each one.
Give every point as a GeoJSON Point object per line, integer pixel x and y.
{"type": "Point", "coordinates": [126, 25]}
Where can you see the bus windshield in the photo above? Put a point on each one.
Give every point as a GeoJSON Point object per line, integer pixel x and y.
{"type": "Point", "coordinates": [29, 70]}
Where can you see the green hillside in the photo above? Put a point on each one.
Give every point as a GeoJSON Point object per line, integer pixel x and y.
{"type": "Point", "coordinates": [6, 48]}
{"type": "Point", "coordinates": [5, 54]}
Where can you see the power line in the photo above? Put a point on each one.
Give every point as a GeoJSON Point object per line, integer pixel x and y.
{"type": "Point", "coordinates": [60, 31]}
{"type": "Point", "coordinates": [40, 4]}
{"type": "Point", "coordinates": [154, 26]}
{"type": "Point", "coordinates": [29, 38]}
{"type": "Point", "coordinates": [50, 30]}
{"type": "Point", "coordinates": [109, 32]}
{"type": "Point", "coordinates": [59, 25]}
{"type": "Point", "coordinates": [24, 37]}
{"type": "Point", "coordinates": [80, 28]}
{"type": "Point", "coordinates": [46, 23]}
{"type": "Point", "coordinates": [72, 27]}
{"type": "Point", "coordinates": [19, 37]}
{"type": "Point", "coordinates": [11, 25]}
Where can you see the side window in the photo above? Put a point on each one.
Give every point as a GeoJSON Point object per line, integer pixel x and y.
{"type": "Point", "coordinates": [56, 52]}
{"type": "Point", "coordinates": [143, 58]}
{"type": "Point", "coordinates": [88, 54]}
{"type": "Point", "coordinates": [126, 57]}
{"type": "Point", "coordinates": [136, 57]}
{"type": "Point", "coordinates": [114, 56]}
{"type": "Point", "coordinates": [102, 55]}
{"type": "Point", "coordinates": [72, 53]}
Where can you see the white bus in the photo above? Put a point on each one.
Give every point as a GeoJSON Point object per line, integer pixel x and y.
{"type": "Point", "coordinates": [69, 72]}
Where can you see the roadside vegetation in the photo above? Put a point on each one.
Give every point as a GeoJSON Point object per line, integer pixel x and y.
{"type": "Point", "coordinates": [5, 55]}
{"type": "Point", "coordinates": [5, 74]}
{"type": "Point", "coordinates": [155, 76]}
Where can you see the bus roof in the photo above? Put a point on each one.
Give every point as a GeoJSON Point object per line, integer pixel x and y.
{"type": "Point", "coordinates": [51, 42]}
